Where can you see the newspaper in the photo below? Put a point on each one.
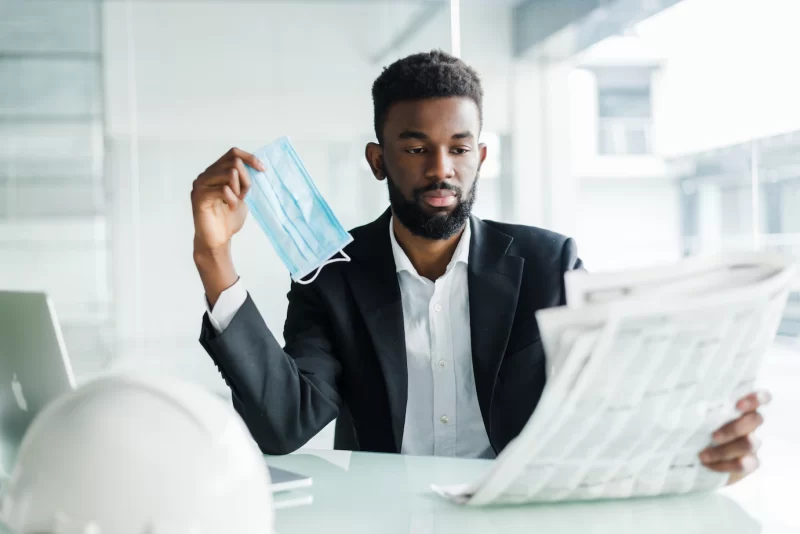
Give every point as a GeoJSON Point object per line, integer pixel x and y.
{"type": "Point", "coordinates": [642, 367]}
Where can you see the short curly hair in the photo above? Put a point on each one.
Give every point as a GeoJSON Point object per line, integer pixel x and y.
{"type": "Point", "coordinates": [433, 74]}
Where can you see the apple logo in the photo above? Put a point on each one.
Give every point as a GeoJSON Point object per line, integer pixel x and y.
{"type": "Point", "coordinates": [16, 387]}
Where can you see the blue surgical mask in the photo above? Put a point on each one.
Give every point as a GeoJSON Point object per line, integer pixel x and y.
{"type": "Point", "coordinates": [290, 210]}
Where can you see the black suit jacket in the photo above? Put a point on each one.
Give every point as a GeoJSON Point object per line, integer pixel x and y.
{"type": "Point", "coordinates": [345, 344]}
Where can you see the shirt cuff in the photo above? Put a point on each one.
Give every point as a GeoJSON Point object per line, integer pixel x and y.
{"type": "Point", "coordinates": [227, 306]}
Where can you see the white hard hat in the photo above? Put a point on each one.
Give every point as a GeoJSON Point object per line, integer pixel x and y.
{"type": "Point", "coordinates": [134, 455]}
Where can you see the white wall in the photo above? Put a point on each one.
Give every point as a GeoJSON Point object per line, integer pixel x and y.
{"type": "Point", "coordinates": [247, 70]}
{"type": "Point", "coordinates": [628, 222]}
{"type": "Point", "coordinates": [199, 77]}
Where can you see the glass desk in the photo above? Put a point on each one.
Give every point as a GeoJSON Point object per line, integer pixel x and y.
{"type": "Point", "coordinates": [369, 493]}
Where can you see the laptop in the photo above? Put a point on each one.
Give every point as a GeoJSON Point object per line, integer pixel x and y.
{"type": "Point", "coordinates": [35, 369]}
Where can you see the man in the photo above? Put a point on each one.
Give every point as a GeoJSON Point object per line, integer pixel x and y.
{"type": "Point", "coordinates": [426, 342]}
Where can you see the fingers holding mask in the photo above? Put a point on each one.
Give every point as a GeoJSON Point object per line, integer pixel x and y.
{"type": "Point", "coordinates": [229, 160]}
{"type": "Point", "coordinates": [243, 178]}
{"type": "Point", "coordinates": [246, 157]}
{"type": "Point", "coordinates": [230, 197]}
{"type": "Point", "coordinates": [233, 181]}
{"type": "Point", "coordinates": [230, 171]}
{"type": "Point", "coordinates": [208, 196]}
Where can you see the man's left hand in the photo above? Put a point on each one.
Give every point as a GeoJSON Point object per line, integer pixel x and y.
{"type": "Point", "coordinates": [735, 447]}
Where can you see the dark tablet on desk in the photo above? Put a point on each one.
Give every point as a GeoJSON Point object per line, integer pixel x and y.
{"type": "Point", "coordinates": [282, 480]}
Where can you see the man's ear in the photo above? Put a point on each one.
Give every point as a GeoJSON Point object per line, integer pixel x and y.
{"type": "Point", "coordinates": [374, 155]}
{"type": "Point", "coordinates": [482, 151]}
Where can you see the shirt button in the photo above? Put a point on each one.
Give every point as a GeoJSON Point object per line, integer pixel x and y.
{"type": "Point", "coordinates": [442, 364]}
{"type": "Point", "coordinates": [438, 307]}
{"type": "Point", "coordinates": [444, 419]}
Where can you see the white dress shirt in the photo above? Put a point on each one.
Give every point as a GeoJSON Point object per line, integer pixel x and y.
{"type": "Point", "coordinates": [443, 417]}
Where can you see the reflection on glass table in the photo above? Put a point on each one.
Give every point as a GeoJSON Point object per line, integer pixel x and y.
{"type": "Point", "coordinates": [364, 492]}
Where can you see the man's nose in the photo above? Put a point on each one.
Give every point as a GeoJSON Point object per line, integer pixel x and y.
{"type": "Point", "coordinates": [440, 165]}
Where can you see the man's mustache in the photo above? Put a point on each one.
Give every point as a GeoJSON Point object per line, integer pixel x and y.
{"type": "Point", "coordinates": [435, 187]}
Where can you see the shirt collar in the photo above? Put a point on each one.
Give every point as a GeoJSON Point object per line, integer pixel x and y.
{"type": "Point", "coordinates": [402, 263]}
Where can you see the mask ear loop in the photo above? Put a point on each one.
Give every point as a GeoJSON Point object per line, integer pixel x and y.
{"type": "Point", "coordinates": [319, 269]}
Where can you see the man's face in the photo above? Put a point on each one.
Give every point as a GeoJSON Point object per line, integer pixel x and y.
{"type": "Point", "coordinates": [430, 158]}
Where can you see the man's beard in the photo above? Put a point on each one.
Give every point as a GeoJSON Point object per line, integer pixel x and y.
{"type": "Point", "coordinates": [438, 225]}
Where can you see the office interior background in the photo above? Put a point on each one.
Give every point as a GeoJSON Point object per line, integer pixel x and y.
{"type": "Point", "coordinates": [649, 130]}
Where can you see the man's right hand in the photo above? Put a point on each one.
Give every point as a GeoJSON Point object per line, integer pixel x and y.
{"type": "Point", "coordinates": [219, 212]}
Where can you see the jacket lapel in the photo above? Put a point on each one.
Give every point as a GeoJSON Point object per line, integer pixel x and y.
{"type": "Point", "coordinates": [494, 281]}
{"type": "Point", "coordinates": [373, 280]}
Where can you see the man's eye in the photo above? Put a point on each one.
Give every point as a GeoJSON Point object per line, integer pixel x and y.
{"type": "Point", "coordinates": [415, 150]}
{"type": "Point", "coordinates": [460, 151]}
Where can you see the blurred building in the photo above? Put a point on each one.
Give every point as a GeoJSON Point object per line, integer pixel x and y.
{"type": "Point", "coordinates": [688, 146]}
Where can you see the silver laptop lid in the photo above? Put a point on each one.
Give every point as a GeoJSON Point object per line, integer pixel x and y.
{"type": "Point", "coordinates": [34, 366]}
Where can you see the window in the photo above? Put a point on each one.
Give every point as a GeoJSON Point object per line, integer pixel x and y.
{"type": "Point", "coordinates": [624, 121]}
{"type": "Point", "coordinates": [718, 206]}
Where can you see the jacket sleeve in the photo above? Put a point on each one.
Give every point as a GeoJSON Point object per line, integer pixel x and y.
{"type": "Point", "coordinates": [285, 395]}
{"type": "Point", "coordinates": [569, 262]}
{"type": "Point", "coordinates": [569, 256]}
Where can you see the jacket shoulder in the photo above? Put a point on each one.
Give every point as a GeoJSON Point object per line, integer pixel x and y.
{"type": "Point", "coordinates": [544, 247]}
